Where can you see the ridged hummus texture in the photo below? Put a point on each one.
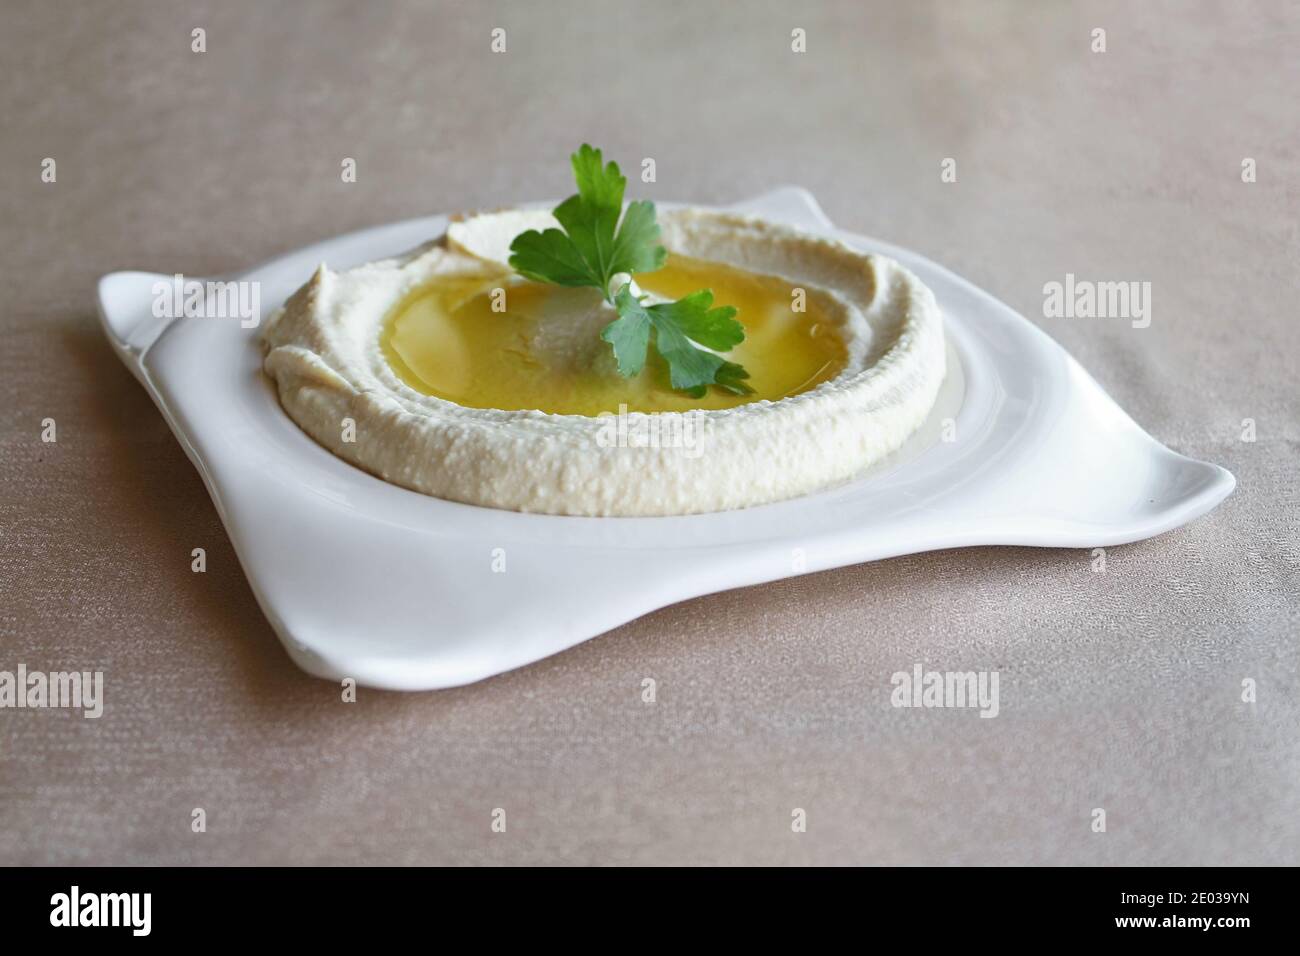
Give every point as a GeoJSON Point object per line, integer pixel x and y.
{"type": "Point", "coordinates": [324, 354]}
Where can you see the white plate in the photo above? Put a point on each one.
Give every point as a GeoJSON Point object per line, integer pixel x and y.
{"type": "Point", "coordinates": [366, 580]}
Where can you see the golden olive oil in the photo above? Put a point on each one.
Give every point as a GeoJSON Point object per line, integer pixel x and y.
{"type": "Point", "coordinates": [508, 343]}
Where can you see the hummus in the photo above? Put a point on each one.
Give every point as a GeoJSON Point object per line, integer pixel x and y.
{"type": "Point", "coordinates": [325, 350]}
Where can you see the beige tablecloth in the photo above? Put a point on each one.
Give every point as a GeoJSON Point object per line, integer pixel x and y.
{"type": "Point", "coordinates": [1121, 691]}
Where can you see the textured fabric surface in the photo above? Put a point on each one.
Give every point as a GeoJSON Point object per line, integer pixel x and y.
{"type": "Point", "coordinates": [1120, 691]}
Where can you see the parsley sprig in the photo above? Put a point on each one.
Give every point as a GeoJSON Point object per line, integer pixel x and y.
{"type": "Point", "coordinates": [599, 241]}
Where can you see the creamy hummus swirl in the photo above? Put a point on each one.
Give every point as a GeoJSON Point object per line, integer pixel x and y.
{"type": "Point", "coordinates": [323, 352]}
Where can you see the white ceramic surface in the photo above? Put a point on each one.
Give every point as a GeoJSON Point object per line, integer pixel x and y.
{"type": "Point", "coordinates": [366, 580]}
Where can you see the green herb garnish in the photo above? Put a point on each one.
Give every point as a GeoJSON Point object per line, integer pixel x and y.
{"type": "Point", "coordinates": [594, 247]}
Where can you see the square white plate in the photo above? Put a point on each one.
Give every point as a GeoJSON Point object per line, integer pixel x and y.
{"type": "Point", "coordinates": [367, 580]}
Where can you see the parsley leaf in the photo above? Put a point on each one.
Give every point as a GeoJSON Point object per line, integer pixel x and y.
{"type": "Point", "coordinates": [593, 246]}
{"type": "Point", "coordinates": [551, 256]}
{"type": "Point", "coordinates": [680, 328]}
{"type": "Point", "coordinates": [730, 377]}
{"type": "Point", "coordinates": [629, 334]}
